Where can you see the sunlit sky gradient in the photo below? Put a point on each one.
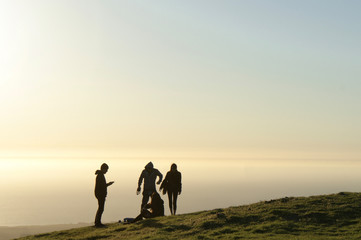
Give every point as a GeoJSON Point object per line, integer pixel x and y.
{"type": "Point", "coordinates": [244, 78]}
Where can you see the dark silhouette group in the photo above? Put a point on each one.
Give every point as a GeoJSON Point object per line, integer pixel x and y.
{"type": "Point", "coordinates": [172, 185]}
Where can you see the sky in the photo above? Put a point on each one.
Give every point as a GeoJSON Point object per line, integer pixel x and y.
{"type": "Point", "coordinates": [227, 78]}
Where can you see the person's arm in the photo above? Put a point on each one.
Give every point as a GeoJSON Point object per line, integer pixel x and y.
{"type": "Point", "coordinates": [180, 184]}
{"type": "Point", "coordinates": [164, 183]}
{"type": "Point", "coordinates": [160, 177]}
{"type": "Point", "coordinates": [140, 180]}
{"type": "Point", "coordinates": [110, 183]}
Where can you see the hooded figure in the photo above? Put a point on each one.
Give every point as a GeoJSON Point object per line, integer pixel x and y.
{"type": "Point", "coordinates": [101, 192]}
{"type": "Point", "coordinates": [149, 174]}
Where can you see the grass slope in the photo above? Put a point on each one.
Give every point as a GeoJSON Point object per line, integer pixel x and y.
{"type": "Point", "coordinates": [336, 216]}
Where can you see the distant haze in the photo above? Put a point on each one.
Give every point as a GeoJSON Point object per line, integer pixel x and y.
{"type": "Point", "coordinates": [61, 191]}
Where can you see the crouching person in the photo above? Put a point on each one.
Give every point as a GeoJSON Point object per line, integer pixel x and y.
{"type": "Point", "coordinates": [153, 209]}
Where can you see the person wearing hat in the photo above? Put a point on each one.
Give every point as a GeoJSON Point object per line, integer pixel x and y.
{"type": "Point", "coordinates": [101, 192]}
{"type": "Point", "coordinates": [149, 174]}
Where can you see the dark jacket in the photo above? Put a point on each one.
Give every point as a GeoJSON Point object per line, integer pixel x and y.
{"type": "Point", "coordinates": [100, 185]}
{"type": "Point", "coordinates": [172, 182]}
{"type": "Point", "coordinates": [149, 178]}
{"type": "Point", "coordinates": [157, 207]}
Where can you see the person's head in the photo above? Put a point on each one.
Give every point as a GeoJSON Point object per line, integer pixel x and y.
{"type": "Point", "coordinates": [173, 167]}
{"type": "Point", "coordinates": [149, 167]}
{"type": "Point", "coordinates": [104, 168]}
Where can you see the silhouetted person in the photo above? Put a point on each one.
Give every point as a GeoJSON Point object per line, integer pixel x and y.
{"type": "Point", "coordinates": [172, 184]}
{"type": "Point", "coordinates": [156, 207]}
{"type": "Point", "coordinates": [149, 174]}
{"type": "Point", "coordinates": [101, 192]}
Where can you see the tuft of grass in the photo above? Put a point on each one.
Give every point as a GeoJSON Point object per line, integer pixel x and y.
{"type": "Point", "coordinates": [335, 216]}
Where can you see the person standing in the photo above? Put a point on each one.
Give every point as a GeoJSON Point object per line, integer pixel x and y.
{"type": "Point", "coordinates": [101, 192]}
{"type": "Point", "coordinates": [149, 174]}
{"type": "Point", "coordinates": [172, 184]}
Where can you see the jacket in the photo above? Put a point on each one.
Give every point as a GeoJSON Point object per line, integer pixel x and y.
{"type": "Point", "coordinates": [157, 207]}
{"type": "Point", "coordinates": [149, 178]}
{"type": "Point", "coordinates": [100, 185]}
{"type": "Point", "coordinates": [172, 182]}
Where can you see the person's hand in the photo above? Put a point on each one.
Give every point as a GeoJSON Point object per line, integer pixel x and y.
{"type": "Point", "coordinates": [110, 183]}
{"type": "Point", "coordinates": [179, 193]}
{"type": "Point", "coordinates": [138, 190]}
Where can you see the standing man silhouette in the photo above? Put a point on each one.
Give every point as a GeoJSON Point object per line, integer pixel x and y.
{"type": "Point", "coordinates": [101, 192]}
{"type": "Point", "coordinates": [149, 174]}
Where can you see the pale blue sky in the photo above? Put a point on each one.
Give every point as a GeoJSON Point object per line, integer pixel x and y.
{"type": "Point", "coordinates": [239, 76]}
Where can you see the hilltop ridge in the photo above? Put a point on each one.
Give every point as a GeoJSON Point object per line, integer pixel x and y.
{"type": "Point", "coordinates": [335, 216]}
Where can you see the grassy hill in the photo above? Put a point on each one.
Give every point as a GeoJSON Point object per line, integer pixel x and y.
{"type": "Point", "coordinates": [336, 216]}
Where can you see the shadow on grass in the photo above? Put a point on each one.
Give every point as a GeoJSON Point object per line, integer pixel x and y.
{"type": "Point", "coordinates": [42, 235]}
{"type": "Point", "coordinates": [96, 237]}
{"type": "Point", "coordinates": [285, 214]}
{"type": "Point", "coordinates": [225, 231]}
{"type": "Point", "coordinates": [150, 223]}
{"type": "Point", "coordinates": [181, 227]}
{"type": "Point", "coordinates": [243, 220]}
{"type": "Point", "coordinates": [211, 225]}
{"type": "Point", "coordinates": [120, 229]}
{"type": "Point", "coordinates": [277, 228]}
{"type": "Point", "coordinates": [319, 218]}
{"type": "Point", "coordinates": [59, 234]}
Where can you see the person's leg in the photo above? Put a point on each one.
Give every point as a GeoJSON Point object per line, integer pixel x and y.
{"type": "Point", "coordinates": [144, 200]}
{"type": "Point", "coordinates": [98, 216]}
{"type": "Point", "coordinates": [138, 218]}
{"type": "Point", "coordinates": [170, 202]}
{"type": "Point", "coordinates": [144, 214]}
{"type": "Point", "coordinates": [175, 196]}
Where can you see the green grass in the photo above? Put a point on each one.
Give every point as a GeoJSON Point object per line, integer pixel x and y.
{"type": "Point", "coordinates": [336, 216]}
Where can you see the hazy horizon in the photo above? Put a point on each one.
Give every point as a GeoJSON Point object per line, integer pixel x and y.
{"type": "Point", "coordinates": [49, 191]}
